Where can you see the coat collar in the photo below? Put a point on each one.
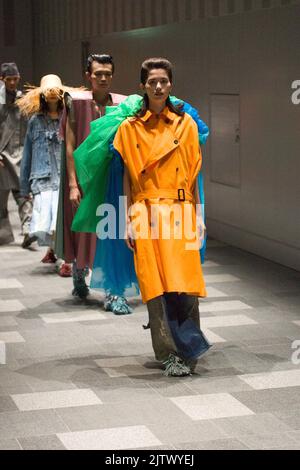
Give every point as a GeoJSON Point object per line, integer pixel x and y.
{"type": "Point", "coordinates": [162, 146]}
{"type": "Point", "coordinates": [166, 114]}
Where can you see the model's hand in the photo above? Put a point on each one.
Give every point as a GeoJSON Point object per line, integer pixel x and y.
{"type": "Point", "coordinates": [75, 196]}
{"type": "Point", "coordinates": [201, 229]}
{"type": "Point", "coordinates": [129, 240]}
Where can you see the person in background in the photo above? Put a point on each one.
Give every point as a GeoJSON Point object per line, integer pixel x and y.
{"type": "Point", "coordinates": [82, 108]}
{"type": "Point", "coordinates": [12, 133]}
{"type": "Point", "coordinates": [40, 165]}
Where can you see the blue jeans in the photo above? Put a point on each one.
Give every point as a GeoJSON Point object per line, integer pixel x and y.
{"type": "Point", "coordinates": [184, 327]}
{"type": "Point", "coordinates": [175, 326]}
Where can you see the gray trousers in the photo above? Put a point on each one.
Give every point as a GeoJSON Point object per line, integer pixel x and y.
{"type": "Point", "coordinates": [162, 340]}
{"type": "Point", "coordinates": [25, 214]}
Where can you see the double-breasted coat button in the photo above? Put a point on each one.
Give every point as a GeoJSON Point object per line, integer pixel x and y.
{"type": "Point", "coordinates": [176, 142]}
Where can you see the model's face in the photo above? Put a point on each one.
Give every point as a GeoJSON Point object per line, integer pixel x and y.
{"type": "Point", "coordinates": [53, 95]}
{"type": "Point", "coordinates": [157, 86]}
{"type": "Point", "coordinates": [100, 77]}
{"type": "Point", "coordinates": [12, 82]}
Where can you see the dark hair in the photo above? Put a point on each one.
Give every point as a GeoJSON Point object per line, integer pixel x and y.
{"type": "Point", "coordinates": [147, 66]}
{"type": "Point", "coordinates": [156, 63]}
{"type": "Point", "coordinates": [44, 108]}
{"type": "Point", "coordinates": [101, 59]}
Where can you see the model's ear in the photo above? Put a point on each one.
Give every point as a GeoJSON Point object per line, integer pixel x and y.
{"type": "Point", "coordinates": [87, 75]}
{"type": "Point", "coordinates": [142, 86]}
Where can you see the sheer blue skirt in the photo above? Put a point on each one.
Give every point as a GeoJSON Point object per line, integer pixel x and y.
{"type": "Point", "coordinates": [113, 269]}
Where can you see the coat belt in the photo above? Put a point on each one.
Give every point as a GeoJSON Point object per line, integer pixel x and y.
{"type": "Point", "coordinates": [175, 194]}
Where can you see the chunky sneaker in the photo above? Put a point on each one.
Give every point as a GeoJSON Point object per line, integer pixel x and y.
{"type": "Point", "coordinates": [65, 270]}
{"type": "Point", "coordinates": [80, 290]}
{"type": "Point", "coordinates": [176, 367]}
{"type": "Point", "coordinates": [117, 304]}
{"type": "Point", "coordinates": [28, 240]}
{"type": "Point", "coordinates": [49, 258]}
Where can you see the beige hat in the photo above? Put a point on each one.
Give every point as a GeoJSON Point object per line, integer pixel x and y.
{"type": "Point", "coordinates": [30, 103]}
{"type": "Point", "coordinates": [51, 81]}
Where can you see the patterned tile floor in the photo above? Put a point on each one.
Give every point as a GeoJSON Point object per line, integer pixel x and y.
{"type": "Point", "coordinates": [75, 377]}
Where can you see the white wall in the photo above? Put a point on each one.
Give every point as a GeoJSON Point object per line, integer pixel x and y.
{"type": "Point", "coordinates": [263, 215]}
{"type": "Point", "coordinates": [254, 54]}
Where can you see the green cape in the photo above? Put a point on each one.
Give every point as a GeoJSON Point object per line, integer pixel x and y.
{"type": "Point", "coordinates": [92, 162]}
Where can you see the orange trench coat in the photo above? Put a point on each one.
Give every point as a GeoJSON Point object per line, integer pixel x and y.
{"type": "Point", "coordinates": [162, 155]}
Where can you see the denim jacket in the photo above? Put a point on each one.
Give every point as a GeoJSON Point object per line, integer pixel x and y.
{"type": "Point", "coordinates": [41, 148]}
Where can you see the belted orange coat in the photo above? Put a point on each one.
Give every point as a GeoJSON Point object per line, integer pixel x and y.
{"type": "Point", "coordinates": [163, 158]}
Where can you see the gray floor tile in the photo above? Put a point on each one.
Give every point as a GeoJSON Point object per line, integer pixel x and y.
{"type": "Point", "coordinates": [11, 389]}
{"type": "Point", "coordinates": [217, 385]}
{"type": "Point", "coordinates": [7, 404]}
{"type": "Point", "coordinates": [40, 385]}
{"type": "Point", "coordinates": [167, 389]}
{"type": "Point", "coordinates": [92, 377]}
{"type": "Point", "coordinates": [9, 444]}
{"type": "Point", "coordinates": [41, 443]}
{"type": "Point", "coordinates": [163, 447]}
{"type": "Point", "coordinates": [246, 332]}
{"type": "Point", "coordinates": [290, 416]}
{"type": "Point", "coordinates": [123, 394]}
{"type": "Point", "coordinates": [7, 321]}
{"type": "Point", "coordinates": [295, 435]}
{"type": "Point", "coordinates": [30, 423]}
{"type": "Point", "coordinates": [181, 432]}
{"type": "Point", "coordinates": [134, 413]}
{"type": "Point", "coordinates": [270, 400]}
{"type": "Point", "coordinates": [10, 378]}
{"type": "Point", "coordinates": [259, 424]}
{"type": "Point", "coordinates": [288, 447]}
{"type": "Point", "coordinates": [263, 442]}
{"type": "Point", "coordinates": [220, 444]}
{"type": "Point", "coordinates": [278, 340]}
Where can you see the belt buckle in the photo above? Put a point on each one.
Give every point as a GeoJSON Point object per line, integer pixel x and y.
{"type": "Point", "coordinates": [181, 195]}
